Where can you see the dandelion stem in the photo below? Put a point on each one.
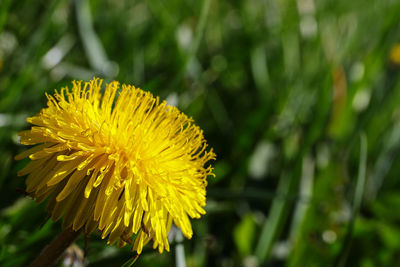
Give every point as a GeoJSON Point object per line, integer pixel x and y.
{"type": "Point", "coordinates": [52, 252]}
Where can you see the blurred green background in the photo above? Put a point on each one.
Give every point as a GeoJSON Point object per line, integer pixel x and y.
{"type": "Point", "coordinates": [300, 100]}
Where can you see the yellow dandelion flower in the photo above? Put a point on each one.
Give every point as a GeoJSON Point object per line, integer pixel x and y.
{"type": "Point", "coordinates": [124, 164]}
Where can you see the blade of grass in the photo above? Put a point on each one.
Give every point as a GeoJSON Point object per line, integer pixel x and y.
{"type": "Point", "coordinates": [201, 27]}
{"type": "Point", "coordinates": [386, 158]}
{"type": "Point", "coordinates": [196, 44]}
{"type": "Point", "coordinates": [94, 49]}
{"type": "Point", "coordinates": [274, 221]}
{"type": "Point", "coordinates": [358, 195]}
{"type": "Point", "coordinates": [306, 190]}
{"type": "Point", "coordinates": [3, 13]}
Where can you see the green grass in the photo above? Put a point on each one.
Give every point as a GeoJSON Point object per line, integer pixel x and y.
{"type": "Point", "coordinates": [283, 91]}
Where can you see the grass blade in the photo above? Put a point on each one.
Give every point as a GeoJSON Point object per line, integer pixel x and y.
{"type": "Point", "coordinates": [358, 195]}
{"type": "Point", "coordinates": [271, 227]}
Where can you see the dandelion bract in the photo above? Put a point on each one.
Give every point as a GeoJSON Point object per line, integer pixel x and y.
{"type": "Point", "coordinates": [121, 162]}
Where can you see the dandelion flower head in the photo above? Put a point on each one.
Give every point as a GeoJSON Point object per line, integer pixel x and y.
{"type": "Point", "coordinates": [121, 162]}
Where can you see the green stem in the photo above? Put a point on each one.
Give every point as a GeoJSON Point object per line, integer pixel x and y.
{"type": "Point", "coordinates": [54, 250]}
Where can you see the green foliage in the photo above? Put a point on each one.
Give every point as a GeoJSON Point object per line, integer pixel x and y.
{"type": "Point", "coordinates": [283, 91]}
{"type": "Point", "coordinates": [244, 234]}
